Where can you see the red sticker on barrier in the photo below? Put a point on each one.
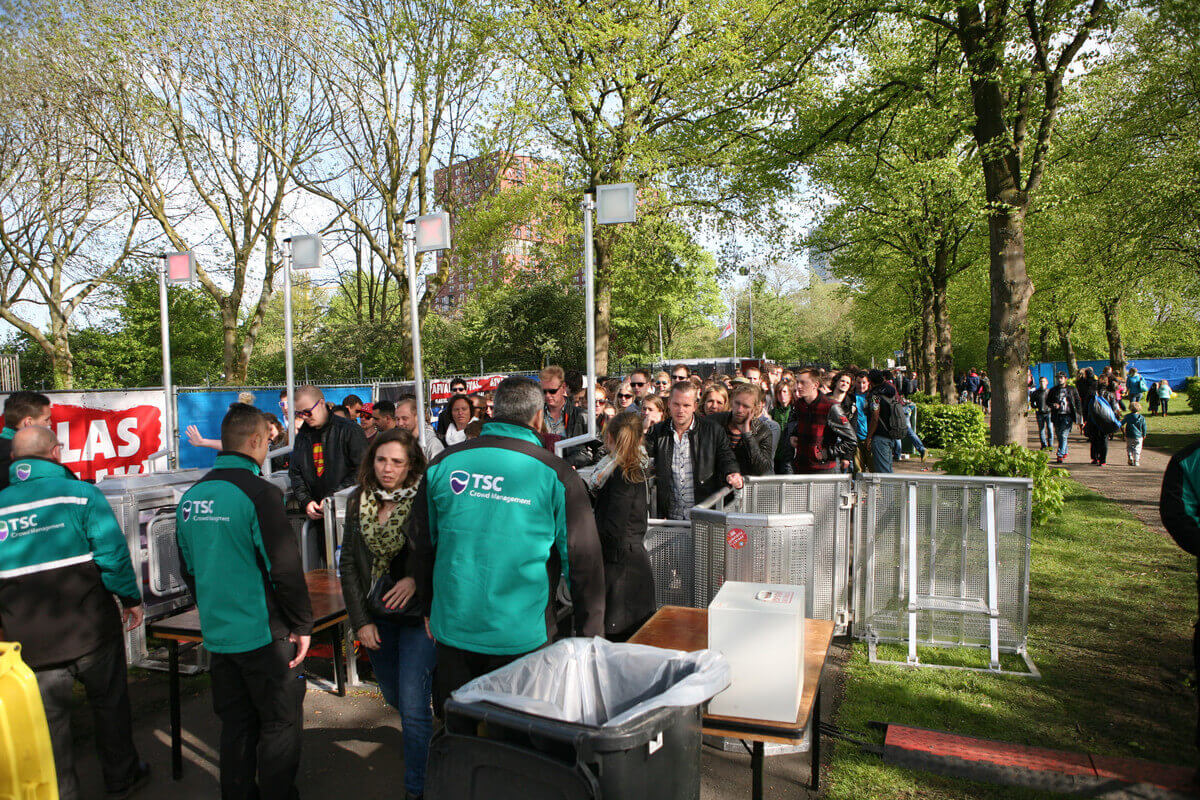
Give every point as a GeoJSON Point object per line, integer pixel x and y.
{"type": "Point", "coordinates": [736, 538]}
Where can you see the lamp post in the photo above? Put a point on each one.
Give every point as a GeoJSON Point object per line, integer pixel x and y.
{"type": "Point", "coordinates": [614, 203]}
{"type": "Point", "coordinates": [175, 268]}
{"type": "Point", "coordinates": [302, 252]}
{"type": "Point", "coordinates": [425, 234]}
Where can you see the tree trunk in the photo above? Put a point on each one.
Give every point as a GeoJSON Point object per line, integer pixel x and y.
{"type": "Point", "coordinates": [1068, 349]}
{"type": "Point", "coordinates": [603, 302]}
{"type": "Point", "coordinates": [1008, 336]}
{"type": "Point", "coordinates": [941, 325]}
{"type": "Point", "coordinates": [63, 361]}
{"type": "Point", "coordinates": [928, 339]}
{"type": "Point", "coordinates": [1112, 330]}
{"type": "Point", "coordinates": [229, 325]}
{"type": "Point", "coordinates": [1044, 344]}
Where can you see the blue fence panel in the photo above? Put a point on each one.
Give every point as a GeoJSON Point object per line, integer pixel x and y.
{"type": "Point", "coordinates": [206, 409]}
{"type": "Point", "coordinates": [1175, 370]}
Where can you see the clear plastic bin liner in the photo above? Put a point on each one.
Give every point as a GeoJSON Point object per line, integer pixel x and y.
{"type": "Point", "coordinates": [598, 683]}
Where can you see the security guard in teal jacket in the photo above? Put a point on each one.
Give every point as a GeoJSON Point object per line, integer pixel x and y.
{"type": "Point", "coordinates": [241, 559]}
{"type": "Point", "coordinates": [498, 521]}
{"type": "Point", "coordinates": [62, 559]}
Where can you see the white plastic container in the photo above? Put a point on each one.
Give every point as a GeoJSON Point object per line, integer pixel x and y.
{"type": "Point", "coordinates": [759, 628]}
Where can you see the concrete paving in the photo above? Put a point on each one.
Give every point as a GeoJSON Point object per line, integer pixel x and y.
{"type": "Point", "coordinates": [354, 743]}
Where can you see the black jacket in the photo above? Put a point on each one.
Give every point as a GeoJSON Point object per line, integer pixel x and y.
{"type": "Point", "coordinates": [355, 566]}
{"type": "Point", "coordinates": [753, 452]}
{"type": "Point", "coordinates": [712, 460]}
{"type": "Point", "coordinates": [1068, 395]}
{"type": "Point", "coordinates": [628, 577]}
{"type": "Point", "coordinates": [5, 460]}
{"type": "Point", "coordinates": [575, 423]}
{"type": "Point", "coordinates": [1037, 400]}
{"type": "Point", "coordinates": [344, 445]}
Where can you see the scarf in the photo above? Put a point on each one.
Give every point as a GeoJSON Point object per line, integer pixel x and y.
{"type": "Point", "coordinates": [384, 540]}
{"type": "Point", "coordinates": [605, 468]}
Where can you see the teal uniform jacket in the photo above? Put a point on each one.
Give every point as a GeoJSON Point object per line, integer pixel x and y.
{"type": "Point", "coordinates": [62, 558]}
{"type": "Point", "coordinates": [240, 558]}
{"type": "Point", "coordinates": [498, 520]}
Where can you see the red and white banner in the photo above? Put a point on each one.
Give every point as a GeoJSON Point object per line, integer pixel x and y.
{"type": "Point", "coordinates": [439, 390]}
{"type": "Point", "coordinates": [108, 433]}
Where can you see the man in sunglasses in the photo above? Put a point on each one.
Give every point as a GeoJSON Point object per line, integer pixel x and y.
{"type": "Point", "coordinates": [680, 373]}
{"type": "Point", "coordinates": [326, 453]}
{"type": "Point", "coordinates": [639, 379]}
{"type": "Point", "coordinates": [563, 417]}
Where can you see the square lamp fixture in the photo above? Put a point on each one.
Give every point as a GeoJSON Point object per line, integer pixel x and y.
{"type": "Point", "coordinates": [433, 232]}
{"type": "Point", "coordinates": [306, 252]}
{"type": "Point", "coordinates": [616, 202]}
{"type": "Point", "coordinates": [181, 267]}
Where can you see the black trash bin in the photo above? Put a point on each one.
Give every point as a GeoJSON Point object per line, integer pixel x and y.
{"type": "Point", "coordinates": [634, 746]}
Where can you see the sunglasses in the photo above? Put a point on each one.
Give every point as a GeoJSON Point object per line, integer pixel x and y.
{"type": "Point", "coordinates": [551, 391]}
{"type": "Point", "coordinates": [662, 383]}
{"type": "Point", "coordinates": [637, 384]}
{"type": "Point", "coordinates": [306, 414]}
{"type": "Point", "coordinates": [681, 377]}
{"type": "Point", "coordinates": [625, 396]}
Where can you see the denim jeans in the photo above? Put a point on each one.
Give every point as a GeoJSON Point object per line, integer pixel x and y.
{"type": "Point", "coordinates": [1045, 429]}
{"type": "Point", "coordinates": [1062, 429]}
{"type": "Point", "coordinates": [403, 665]}
{"type": "Point", "coordinates": [881, 454]}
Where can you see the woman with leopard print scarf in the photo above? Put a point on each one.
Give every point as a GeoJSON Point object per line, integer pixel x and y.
{"type": "Point", "coordinates": [376, 550]}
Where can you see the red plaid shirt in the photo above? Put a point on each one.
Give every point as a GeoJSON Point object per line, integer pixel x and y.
{"type": "Point", "coordinates": [810, 420]}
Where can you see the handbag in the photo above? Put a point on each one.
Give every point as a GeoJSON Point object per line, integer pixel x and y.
{"type": "Point", "coordinates": [378, 610]}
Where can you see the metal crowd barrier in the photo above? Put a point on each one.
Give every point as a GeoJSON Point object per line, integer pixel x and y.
{"type": "Point", "coordinates": [944, 561]}
{"type": "Point", "coordinates": [920, 560]}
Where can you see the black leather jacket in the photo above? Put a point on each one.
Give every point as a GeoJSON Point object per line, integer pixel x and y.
{"type": "Point", "coordinates": [712, 460]}
{"type": "Point", "coordinates": [575, 423]}
{"type": "Point", "coordinates": [355, 566]}
{"type": "Point", "coordinates": [754, 452]}
{"type": "Point", "coordinates": [344, 445]}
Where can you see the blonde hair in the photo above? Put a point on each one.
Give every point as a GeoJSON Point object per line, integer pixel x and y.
{"type": "Point", "coordinates": [624, 432]}
{"type": "Point", "coordinates": [553, 371]}
{"type": "Point", "coordinates": [717, 389]}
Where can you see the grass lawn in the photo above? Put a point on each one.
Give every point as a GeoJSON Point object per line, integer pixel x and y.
{"type": "Point", "coordinates": [1172, 432]}
{"type": "Point", "coordinates": [1111, 612]}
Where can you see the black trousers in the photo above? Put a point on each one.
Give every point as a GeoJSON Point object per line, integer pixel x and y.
{"type": "Point", "coordinates": [260, 702]}
{"type": "Point", "coordinates": [1098, 441]}
{"type": "Point", "coordinates": [102, 673]}
{"type": "Point", "coordinates": [456, 667]}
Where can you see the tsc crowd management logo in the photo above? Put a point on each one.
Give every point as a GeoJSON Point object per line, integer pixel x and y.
{"type": "Point", "coordinates": [488, 487]}
{"type": "Point", "coordinates": [196, 506]}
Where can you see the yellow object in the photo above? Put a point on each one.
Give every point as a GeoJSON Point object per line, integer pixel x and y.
{"type": "Point", "coordinates": [26, 760]}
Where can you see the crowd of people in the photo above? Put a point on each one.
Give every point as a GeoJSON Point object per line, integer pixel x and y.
{"type": "Point", "coordinates": [460, 554]}
{"type": "Point", "coordinates": [1101, 406]}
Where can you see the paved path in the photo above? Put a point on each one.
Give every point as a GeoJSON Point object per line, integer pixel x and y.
{"type": "Point", "coordinates": [1135, 488]}
{"type": "Point", "coordinates": [355, 743]}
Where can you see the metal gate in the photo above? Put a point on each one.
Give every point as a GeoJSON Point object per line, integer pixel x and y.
{"type": "Point", "coordinates": [923, 560]}
{"type": "Point", "coordinates": [943, 561]}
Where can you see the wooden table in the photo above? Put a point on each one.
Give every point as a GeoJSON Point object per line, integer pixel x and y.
{"type": "Point", "coordinates": [677, 628]}
{"type": "Point", "coordinates": [329, 611]}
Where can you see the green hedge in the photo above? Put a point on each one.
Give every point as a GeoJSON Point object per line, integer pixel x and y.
{"type": "Point", "coordinates": [923, 398]}
{"type": "Point", "coordinates": [941, 425]}
{"type": "Point", "coordinates": [1012, 461]}
{"type": "Point", "coordinates": [1193, 393]}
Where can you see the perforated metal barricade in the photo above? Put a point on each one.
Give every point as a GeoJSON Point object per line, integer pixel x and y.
{"type": "Point", "coordinates": [944, 561]}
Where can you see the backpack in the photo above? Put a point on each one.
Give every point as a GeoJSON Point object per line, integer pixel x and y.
{"type": "Point", "coordinates": [1103, 416]}
{"type": "Point", "coordinates": [892, 417]}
